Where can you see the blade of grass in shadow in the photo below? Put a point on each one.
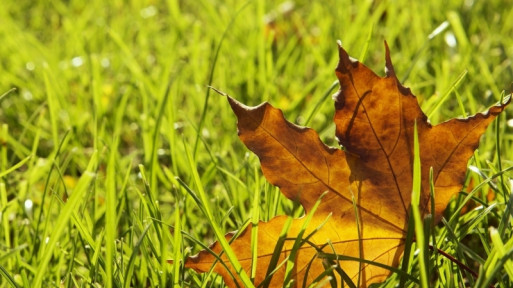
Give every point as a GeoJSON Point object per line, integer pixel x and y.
{"type": "Point", "coordinates": [155, 248]}
{"type": "Point", "coordinates": [432, 227]}
{"type": "Point", "coordinates": [320, 102]}
{"type": "Point", "coordinates": [273, 264]}
{"type": "Point", "coordinates": [53, 106]}
{"type": "Point", "coordinates": [459, 250]}
{"type": "Point", "coordinates": [325, 277]}
{"type": "Point", "coordinates": [155, 138]}
{"type": "Point", "coordinates": [501, 249]}
{"type": "Point", "coordinates": [82, 230]}
{"type": "Point", "coordinates": [15, 166]}
{"type": "Point", "coordinates": [408, 245]}
{"type": "Point", "coordinates": [129, 60]}
{"type": "Point", "coordinates": [254, 220]}
{"type": "Point", "coordinates": [5, 205]}
{"type": "Point", "coordinates": [66, 282]}
{"type": "Point", "coordinates": [6, 275]}
{"type": "Point", "coordinates": [151, 204]}
{"type": "Point", "coordinates": [360, 244]}
{"type": "Point", "coordinates": [211, 75]}
{"type": "Point", "coordinates": [460, 104]}
{"type": "Point", "coordinates": [339, 257]}
{"type": "Point", "coordinates": [428, 223]}
{"type": "Point", "coordinates": [67, 210]}
{"type": "Point", "coordinates": [276, 254]}
{"type": "Point", "coordinates": [155, 169]}
{"type": "Point", "coordinates": [365, 48]}
{"type": "Point", "coordinates": [437, 31]}
{"type": "Point", "coordinates": [490, 271]}
{"type": "Point", "coordinates": [96, 259]}
{"type": "Point", "coordinates": [499, 130]}
{"type": "Point", "coordinates": [7, 93]}
{"type": "Point", "coordinates": [198, 242]}
{"type": "Point", "coordinates": [4, 135]}
{"type": "Point", "coordinates": [469, 226]}
{"type": "Point", "coordinates": [445, 96]}
{"type": "Point", "coordinates": [343, 275]}
{"type": "Point", "coordinates": [306, 240]}
{"type": "Point", "coordinates": [415, 200]}
{"type": "Point", "coordinates": [110, 213]}
{"type": "Point", "coordinates": [452, 220]}
{"type": "Point", "coordinates": [330, 265]}
{"type": "Point", "coordinates": [135, 253]}
{"type": "Point", "coordinates": [37, 241]}
{"type": "Point", "coordinates": [144, 86]}
{"type": "Point", "coordinates": [177, 247]}
{"type": "Point", "coordinates": [299, 242]}
{"type": "Point", "coordinates": [177, 238]}
{"type": "Point", "coordinates": [230, 254]}
{"type": "Point", "coordinates": [12, 252]}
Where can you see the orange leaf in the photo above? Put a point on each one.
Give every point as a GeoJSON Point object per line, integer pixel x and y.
{"type": "Point", "coordinates": [369, 183]}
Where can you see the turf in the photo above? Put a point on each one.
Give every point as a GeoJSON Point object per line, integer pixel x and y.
{"type": "Point", "coordinates": [116, 156]}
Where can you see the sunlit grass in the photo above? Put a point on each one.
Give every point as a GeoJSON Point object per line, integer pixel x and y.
{"type": "Point", "coordinates": [110, 98]}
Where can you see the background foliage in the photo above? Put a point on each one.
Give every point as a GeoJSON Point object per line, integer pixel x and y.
{"type": "Point", "coordinates": [110, 98]}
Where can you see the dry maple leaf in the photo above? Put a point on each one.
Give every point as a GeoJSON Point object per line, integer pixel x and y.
{"type": "Point", "coordinates": [365, 211]}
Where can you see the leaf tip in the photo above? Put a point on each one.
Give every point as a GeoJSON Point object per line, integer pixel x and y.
{"type": "Point", "coordinates": [345, 61]}
{"type": "Point", "coordinates": [237, 107]}
{"type": "Point", "coordinates": [390, 71]}
{"type": "Point", "coordinates": [248, 117]}
{"type": "Point", "coordinates": [389, 67]}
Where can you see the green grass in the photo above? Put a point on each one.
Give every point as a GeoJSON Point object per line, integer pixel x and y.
{"type": "Point", "coordinates": [114, 137]}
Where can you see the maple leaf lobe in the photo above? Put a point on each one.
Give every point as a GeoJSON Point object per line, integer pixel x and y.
{"type": "Point", "coordinates": [369, 113]}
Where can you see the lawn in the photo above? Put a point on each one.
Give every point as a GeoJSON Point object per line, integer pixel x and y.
{"type": "Point", "coordinates": [109, 128]}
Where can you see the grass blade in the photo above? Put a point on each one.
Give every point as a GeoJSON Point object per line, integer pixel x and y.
{"type": "Point", "coordinates": [217, 230]}
{"type": "Point", "coordinates": [67, 210]}
{"type": "Point", "coordinates": [415, 200]}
